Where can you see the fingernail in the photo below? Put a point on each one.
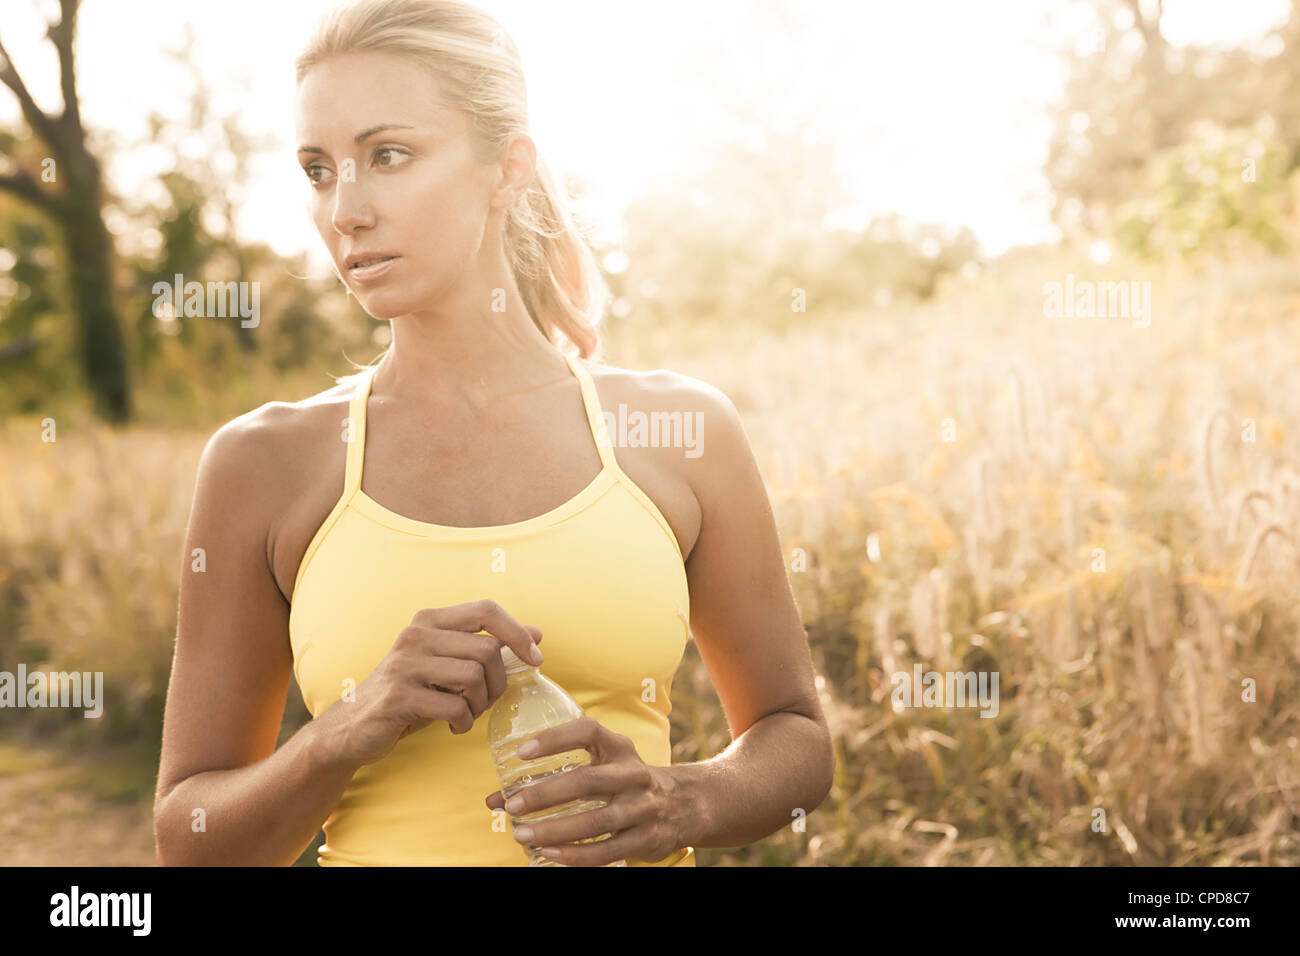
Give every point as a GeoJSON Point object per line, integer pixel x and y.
{"type": "Point", "coordinates": [514, 805]}
{"type": "Point", "coordinates": [535, 653]}
{"type": "Point", "coordinates": [523, 834]}
{"type": "Point", "coordinates": [528, 748]}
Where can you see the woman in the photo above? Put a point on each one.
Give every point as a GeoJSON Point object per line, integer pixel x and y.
{"type": "Point", "coordinates": [468, 520]}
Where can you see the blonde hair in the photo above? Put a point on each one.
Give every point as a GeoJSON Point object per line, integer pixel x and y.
{"type": "Point", "coordinates": [477, 66]}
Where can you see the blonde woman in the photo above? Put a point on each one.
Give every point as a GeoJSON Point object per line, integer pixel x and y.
{"type": "Point", "coordinates": [385, 539]}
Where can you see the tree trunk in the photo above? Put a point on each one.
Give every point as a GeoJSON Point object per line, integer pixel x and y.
{"type": "Point", "coordinates": [76, 207]}
{"type": "Point", "coordinates": [101, 344]}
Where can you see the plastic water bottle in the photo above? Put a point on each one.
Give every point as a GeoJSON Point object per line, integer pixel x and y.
{"type": "Point", "coordinates": [530, 704]}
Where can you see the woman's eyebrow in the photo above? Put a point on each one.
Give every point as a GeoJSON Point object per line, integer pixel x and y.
{"type": "Point", "coordinates": [361, 137]}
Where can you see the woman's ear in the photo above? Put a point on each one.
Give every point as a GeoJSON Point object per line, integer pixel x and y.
{"type": "Point", "coordinates": [518, 170]}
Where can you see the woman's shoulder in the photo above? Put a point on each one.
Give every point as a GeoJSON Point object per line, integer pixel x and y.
{"type": "Point", "coordinates": [278, 438]}
{"type": "Point", "coordinates": [661, 388]}
{"type": "Point", "coordinates": [692, 411]}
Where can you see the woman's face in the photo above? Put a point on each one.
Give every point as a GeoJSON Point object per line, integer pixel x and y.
{"type": "Point", "coordinates": [391, 174]}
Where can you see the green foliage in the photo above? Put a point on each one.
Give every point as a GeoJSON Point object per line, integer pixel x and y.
{"type": "Point", "coordinates": [746, 240]}
{"type": "Point", "coordinates": [1177, 150]}
{"type": "Point", "coordinates": [1209, 194]}
{"type": "Point", "coordinates": [38, 355]}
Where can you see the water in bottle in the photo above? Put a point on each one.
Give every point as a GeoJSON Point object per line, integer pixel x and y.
{"type": "Point", "coordinates": [530, 704]}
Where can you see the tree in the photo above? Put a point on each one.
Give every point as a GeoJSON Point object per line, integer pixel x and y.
{"type": "Point", "coordinates": [1151, 141]}
{"type": "Point", "coordinates": [1131, 96]}
{"type": "Point", "coordinates": [74, 207]}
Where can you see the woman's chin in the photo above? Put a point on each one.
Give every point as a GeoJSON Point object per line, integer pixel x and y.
{"type": "Point", "coordinates": [380, 306]}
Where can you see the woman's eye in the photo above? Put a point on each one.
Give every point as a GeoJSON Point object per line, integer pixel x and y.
{"type": "Point", "coordinates": [311, 170]}
{"type": "Point", "coordinates": [391, 152]}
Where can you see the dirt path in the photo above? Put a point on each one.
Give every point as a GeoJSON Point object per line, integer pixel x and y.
{"type": "Point", "coordinates": [53, 818]}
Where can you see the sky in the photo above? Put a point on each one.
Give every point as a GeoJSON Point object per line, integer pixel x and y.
{"type": "Point", "coordinates": [938, 109]}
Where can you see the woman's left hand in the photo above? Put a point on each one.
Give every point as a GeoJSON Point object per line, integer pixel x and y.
{"type": "Point", "coordinates": [641, 811]}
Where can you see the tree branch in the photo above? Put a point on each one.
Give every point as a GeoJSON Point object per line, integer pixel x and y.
{"type": "Point", "coordinates": [17, 348]}
{"type": "Point", "coordinates": [1139, 18]}
{"type": "Point", "coordinates": [1153, 40]}
{"type": "Point", "coordinates": [61, 35]}
{"type": "Point", "coordinates": [24, 186]}
{"type": "Point", "coordinates": [1147, 24]}
{"type": "Point", "coordinates": [40, 122]}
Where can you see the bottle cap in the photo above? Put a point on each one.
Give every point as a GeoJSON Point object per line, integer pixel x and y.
{"type": "Point", "coordinates": [512, 660]}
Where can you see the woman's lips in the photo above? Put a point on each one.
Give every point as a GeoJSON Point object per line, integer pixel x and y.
{"type": "Point", "coordinates": [372, 271]}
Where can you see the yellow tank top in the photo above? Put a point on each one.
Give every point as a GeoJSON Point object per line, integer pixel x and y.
{"type": "Point", "coordinates": [602, 575]}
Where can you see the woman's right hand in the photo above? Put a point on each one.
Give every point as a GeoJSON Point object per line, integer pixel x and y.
{"type": "Point", "coordinates": [439, 668]}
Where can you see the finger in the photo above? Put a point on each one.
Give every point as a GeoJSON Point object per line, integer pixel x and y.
{"type": "Point", "coordinates": [485, 615]}
{"type": "Point", "coordinates": [636, 843]}
{"type": "Point", "coordinates": [453, 675]}
{"type": "Point", "coordinates": [425, 703]}
{"type": "Point", "coordinates": [483, 648]}
{"type": "Point", "coordinates": [584, 733]}
{"type": "Point", "coordinates": [592, 782]}
{"type": "Point", "coordinates": [591, 824]}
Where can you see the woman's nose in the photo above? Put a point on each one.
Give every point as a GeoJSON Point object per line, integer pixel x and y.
{"type": "Point", "coordinates": [351, 208]}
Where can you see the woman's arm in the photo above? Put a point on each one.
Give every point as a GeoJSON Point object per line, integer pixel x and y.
{"type": "Point", "coordinates": [747, 628]}
{"type": "Point", "coordinates": [225, 795]}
